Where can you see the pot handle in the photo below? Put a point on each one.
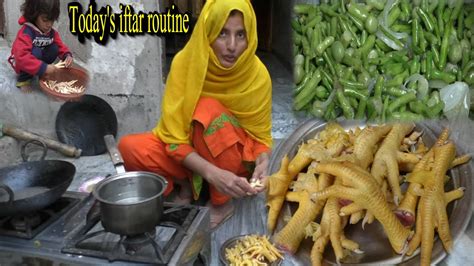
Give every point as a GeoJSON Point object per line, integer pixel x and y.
{"type": "Point", "coordinates": [37, 142]}
{"type": "Point", "coordinates": [114, 153]}
{"type": "Point", "coordinates": [9, 191]}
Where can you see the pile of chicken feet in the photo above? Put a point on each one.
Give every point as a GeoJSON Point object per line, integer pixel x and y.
{"type": "Point", "coordinates": [366, 166]}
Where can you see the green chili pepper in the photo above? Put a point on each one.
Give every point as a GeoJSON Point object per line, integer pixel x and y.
{"type": "Point", "coordinates": [431, 38]}
{"type": "Point", "coordinates": [367, 46]}
{"type": "Point", "coordinates": [435, 110]}
{"type": "Point", "coordinates": [346, 27]}
{"type": "Point", "coordinates": [423, 65]}
{"type": "Point", "coordinates": [296, 26]}
{"type": "Point", "coordinates": [302, 8]}
{"type": "Point", "coordinates": [397, 80]}
{"type": "Point", "coordinates": [443, 54]}
{"type": "Point", "coordinates": [415, 31]}
{"type": "Point", "coordinates": [371, 24]}
{"type": "Point", "coordinates": [321, 92]}
{"type": "Point", "coordinates": [360, 114]}
{"type": "Point", "coordinates": [402, 28]}
{"type": "Point", "coordinates": [377, 4]}
{"type": "Point", "coordinates": [418, 107]}
{"type": "Point", "coordinates": [446, 16]}
{"type": "Point", "coordinates": [357, 11]}
{"type": "Point", "coordinates": [467, 67]}
{"type": "Point", "coordinates": [330, 113]}
{"type": "Point", "coordinates": [415, 65]}
{"type": "Point", "coordinates": [401, 101]}
{"type": "Point", "coordinates": [429, 64]}
{"type": "Point", "coordinates": [394, 91]}
{"type": "Point", "coordinates": [344, 103]}
{"type": "Point", "coordinates": [328, 11]}
{"type": "Point", "coordinates": [329, 63]}
{"type": "Point", "coordinates": [457, 9]}
{"type": "Point", "coordinates": [357, 22]}
{"type": "Point", "coordinates": [406, 116]}
{"type": "Point", "coordinates": [385, 107]}
{"type": "Point", "coordinates": [338, 51]}
{"type": "Point", "coordinates": [303, 83]}
{"type": "Point", "coordinates": [423, 43]}
{"type": "Point", "coordinates": [455, 53]}
{"type": "Point", "coordinates": [355, 93]}
{"type": "Point", "coordinates": [378, 88]}
{"type": "Point", "coordinates": [425, 18]}
{"type": "Point", "coordinates": [391, 37]}
{"type": "Point", "coordinates": [324, 45]}
{"type": "Point", "coordinates": [393, 15]}
{"type": "Point", "coordinates": [394, 68]}
{"type": "Point", "coordinates": [352, 84]}
{"type": "Point", "coordinates": [439, 15]}
{"type": "Point", "coordinates": [446, 77]}
{"type": "Point", "coordinates": [333, 26]}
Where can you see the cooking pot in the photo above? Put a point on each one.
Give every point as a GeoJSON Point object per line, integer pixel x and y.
{"type": "Point", "coordinates": [31, 186]}
{"type": "Point", "coordinates": [131, 203]}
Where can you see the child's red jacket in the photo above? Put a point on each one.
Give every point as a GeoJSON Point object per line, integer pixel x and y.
{"type": "Point", "coordinates": [29, 37]}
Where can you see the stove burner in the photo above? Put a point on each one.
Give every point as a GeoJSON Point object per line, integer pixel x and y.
{"type": "Point", "coordinates": [134, 243]}
{"type": "Point", "coordinates": [27, 226]}
{"type": "Point", "coordinates": [155, 247]}
{"type": "Point", "coordinates": [27, 222]}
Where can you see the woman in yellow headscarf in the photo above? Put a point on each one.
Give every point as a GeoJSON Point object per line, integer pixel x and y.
{"type": "Point", "coordinates": [216, 113]}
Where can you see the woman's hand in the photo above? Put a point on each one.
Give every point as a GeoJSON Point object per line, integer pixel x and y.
{"type": "Point", "coordinates": [224, 181]}
{"type": "Point", "coordinates": [230, 184]}
{"type": "Point", "coordinates": [260, 173]}
{"type": "Point", "coordinates": [68, 61]}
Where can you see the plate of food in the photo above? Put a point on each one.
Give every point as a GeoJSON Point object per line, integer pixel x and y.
{"type": "Point", "coordinates": [249, 249]}
{"type": "Point", "coordinates": [341, 205]}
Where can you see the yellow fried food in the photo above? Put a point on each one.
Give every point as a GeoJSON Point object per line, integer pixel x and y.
{"type": "Point", "coordinates": [252, 250]}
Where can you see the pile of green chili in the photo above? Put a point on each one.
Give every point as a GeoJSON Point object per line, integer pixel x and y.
{"type": "Point", "coordinates": [380, 60]}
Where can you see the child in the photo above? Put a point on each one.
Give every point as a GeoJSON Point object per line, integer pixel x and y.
{"type": "Point", "coordinates": [37, 44]}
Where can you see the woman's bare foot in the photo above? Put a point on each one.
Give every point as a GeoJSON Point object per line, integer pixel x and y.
{"type": "Point", "coordinates": [220, 213]}
{"type": "Point", "coordinates": [184, 196]}
{"type": "Point", "coordinates": [26, 89]}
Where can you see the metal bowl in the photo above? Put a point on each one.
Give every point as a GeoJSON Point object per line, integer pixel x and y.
{"type": "Point", "coordinates": [372, 240]}
{"type": "Point", "coordinates": [230, 243]}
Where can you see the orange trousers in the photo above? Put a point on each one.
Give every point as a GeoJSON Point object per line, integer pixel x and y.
{"type": "Point", "coordinates": [216, 136]}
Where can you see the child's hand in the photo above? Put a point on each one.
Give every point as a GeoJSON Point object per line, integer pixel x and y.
{"type": "Point", "coordinates": [50, 70]}
{"type": "Point", "coordinates": [68, 61]}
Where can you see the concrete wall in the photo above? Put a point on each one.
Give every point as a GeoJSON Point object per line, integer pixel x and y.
{"type": "Point", "coordinates": [127, 73]}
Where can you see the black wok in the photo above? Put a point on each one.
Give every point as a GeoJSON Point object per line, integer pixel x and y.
{"type": "Point", "coordinates": [32, 186]}
{"type": "Point", "coordinates": [84, 124]}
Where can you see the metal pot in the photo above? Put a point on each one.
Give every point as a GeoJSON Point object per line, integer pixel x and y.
{"type": "Point", "coordinates": [131, 203]}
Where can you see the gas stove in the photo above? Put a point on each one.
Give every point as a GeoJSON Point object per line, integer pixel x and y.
{"type": "Point", "coordinates": [67, 234]}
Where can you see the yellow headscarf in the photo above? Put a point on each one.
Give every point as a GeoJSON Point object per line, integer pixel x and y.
{"type": "Point", "coordinates": [244, 89]}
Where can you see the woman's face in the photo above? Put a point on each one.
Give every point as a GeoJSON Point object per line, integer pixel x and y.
{"type": "Point", "coordinates": [43, 23]}
{"type": "Point", "coordinates": [232, 41]}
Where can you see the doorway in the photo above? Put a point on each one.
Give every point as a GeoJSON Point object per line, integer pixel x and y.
{"type": "Point", "coordinates": [2, 19]}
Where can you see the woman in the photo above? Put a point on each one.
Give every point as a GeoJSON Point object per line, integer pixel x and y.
{"type": "Point", "coordinates": [216, 113]}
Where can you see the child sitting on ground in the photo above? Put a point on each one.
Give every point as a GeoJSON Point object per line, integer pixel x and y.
{"type": "Point", "coordinates": [37, 44]}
